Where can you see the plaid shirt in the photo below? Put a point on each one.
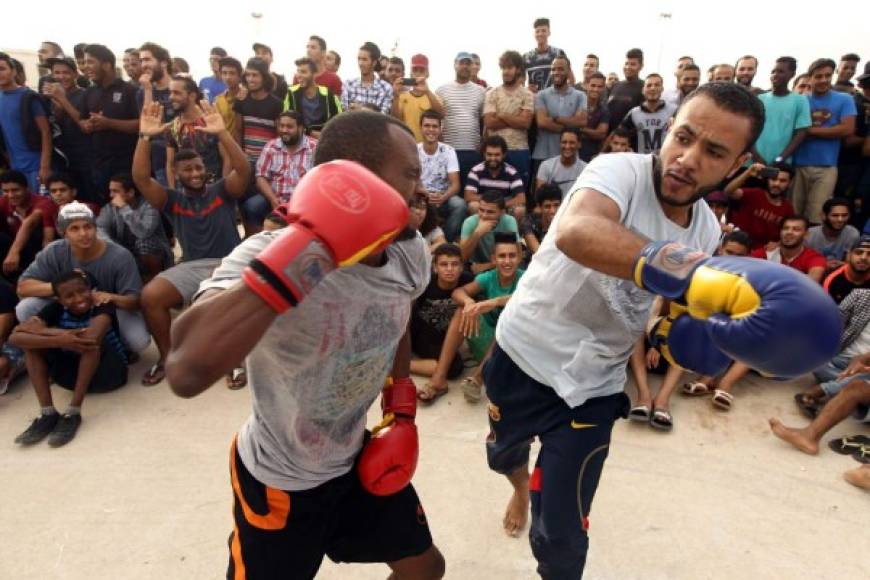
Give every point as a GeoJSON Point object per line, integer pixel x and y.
{"type": "Point", "coordinates": [379, 94]}
{"type": "Point", "coordinates": [283, 168]}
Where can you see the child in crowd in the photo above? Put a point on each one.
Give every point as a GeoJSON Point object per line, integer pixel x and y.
{"type": "Point", "coordinates": [76, 344]}
{"type": "Point", "coordinates": [424, 218]}
{"type": "Point", "coordinates": [535, 225]}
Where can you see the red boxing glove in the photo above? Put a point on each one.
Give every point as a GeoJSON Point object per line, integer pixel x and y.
{"type": "Point", "coordinates": [340, 213]}
{"type": "Point", "coordinates": [389, 459]}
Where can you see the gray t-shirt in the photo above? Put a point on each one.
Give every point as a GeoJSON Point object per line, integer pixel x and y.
{"type": "Point", "coordinates": [557, 104]}
{"type": "Point", "coordinates": [205, 224]}
{"type": "Point", "coordinates": [832, 249]}
{"type": "Point", "coordinates": [115, 271]}
{"type": "Point", "coordinates": [319, 367]}
{"type": "Point", "coordinates": [553, 171]}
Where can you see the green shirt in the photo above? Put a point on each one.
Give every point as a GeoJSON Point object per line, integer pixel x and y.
{"type": "Point", "coordinates": [483, 252]}
{"type": "Point", "coordinates": [489, 286]}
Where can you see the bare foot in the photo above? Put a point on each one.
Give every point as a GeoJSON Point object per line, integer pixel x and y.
{"type": "Point", "coordinates": [859, 477]}
{"type": "Point", "coordinates": [794, 436]}
{"type": "Point", "coordinates": [517, 514]}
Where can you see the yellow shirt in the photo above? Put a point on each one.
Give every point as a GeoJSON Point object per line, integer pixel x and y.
{"type": "Point", "coordinates": [411, 109]}
{"type": "Point", "coordinates": [224, 105]}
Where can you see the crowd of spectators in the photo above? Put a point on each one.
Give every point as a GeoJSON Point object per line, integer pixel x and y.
{"type": "Point", "coordinates": [121, 196]}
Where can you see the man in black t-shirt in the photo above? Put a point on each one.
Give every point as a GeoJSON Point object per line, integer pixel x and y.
{"type": "Point", "coordinates": [627, 94]}
{"type": "Point", "coordinates": [855, 273]}
{"type": "Point", "coordinates": [432, 314]}
{"type": "Point", "coordinates": [279, 85]}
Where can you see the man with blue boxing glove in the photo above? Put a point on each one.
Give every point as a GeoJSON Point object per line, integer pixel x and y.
{"type": "Point", "coordinates": [633, 226]}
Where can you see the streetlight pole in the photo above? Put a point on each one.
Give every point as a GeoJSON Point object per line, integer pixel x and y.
{"type": "Point", "coordinates": [664, 17]}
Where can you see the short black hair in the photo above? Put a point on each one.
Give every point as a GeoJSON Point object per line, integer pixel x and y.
{"type": "Point", "coordinates": [309, 62]}
{"type": "Point", "coordinates": [62, 177]}
{"type": "Point", "coordinates": [541, 22]}
{"type": "Point", "coordinates": [126, 181]}
{"type": "Point", "coordinates": [635, 53]}
{"type": "Point", "coordinates": [738, 237]}
{"type": "Point", "coordinates": [598, 75]}
{"type": "Point", "coordinates": [573, 130]}
{"type": "Point", "coordinates": [221, 52]}
{"type": "Point", "coordinates": [511, 58]}
{"type": "Point", "coordinates": [548, 192]}
{"type": "Point", "coordinates": [495, 141]}
{"type": "Point", "coordinates": [79, 50]}
{"type": "Point", "coordinates": [449, 249]}
{"type": "Point", "coordinates": [190, 85]}
{"type": "Point", "coordinates": [736, 99]}
{"type": "Point", "coordinates": [835, 202]}
{"type": "Point", "coordinates": [691, 66]}
{"type": "Point", "coordinates": [186, 155]}
{"type": "Point", "coordinates": [785, 168]}
{"type": "Point", "coordinates": [593, 55]}
{"type": "Point", "coordinates": [295, 115]}
{"type": "Point", "coordinates": [398, 60]}
{"type": "Point", "coordinates": [850, 57]}
{"type": "Point", "coordinates": [493, 196]}
{"type": "Point", "coordinates": [788, 61]}
{"type": "Point", "coordinates": [795, 217]}
{"type": "Point", "coordinates": [260, 65]}
{"type": "Point", "coordinates": [503, 238]}
{"type": "Point", "coordinates": [431, 114]}
{"type": "Point", "coordinates": [361, 136]}
{"type": "Point", "coordinates": [821, 63]}
{"type": "Point", "coordinates": [336, 56]}
{"type": "Point", "coordinates": [319, 40]}
{"type": "Point", "coordinates": [101, 53]}
{"type": "Point", "coordinates": [232, 63]}
{"type": "Point", "coordinates": [374, 54]}
{"type": "Point", "coordinates": [69, 276]}
{"type": "Point", "coordinates": [13, 176]}
{"type": "Point", "coordinates": [657, 75]}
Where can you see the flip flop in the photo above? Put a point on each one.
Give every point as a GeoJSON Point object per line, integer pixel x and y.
{"type": "Point", "coordinates": [862, 454]}
{"type": "Point", "coordinates": [848, 445]}
{"type": "Point", "coordinates": [237, 379]}
{"type": "Point", "coordinates": [471, 390]}
{"type": "Point", "coordinates": [154, 375]}
{"type": "Point", "coordinates": [429, 394]}
{"type": "Point", "coordinates": [722, 400]}
{"type": "Point", "coordinates": [808, 406]}
{"type": "Point", "coordinates": [639, 413]}
{"type": "Point", "coordinates": [696, 389]}
{"type": "Point", "coordinates": [662, 420]}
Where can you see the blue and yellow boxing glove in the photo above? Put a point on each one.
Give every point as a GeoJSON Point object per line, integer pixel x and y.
{"type": "Point", "coordinates": [685, 342]}
{"type": "Point", "coordinates": [766, 315]}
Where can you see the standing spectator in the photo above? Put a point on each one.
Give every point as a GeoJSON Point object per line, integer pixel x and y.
{"type": "Point", "coordinates": [722, 73]}
{"type": "Point", "coordinates": [184, 131]}
{"type": "Point", "coordinates": [619, 141]}
{"type": "Point", "coordinates": [332, 60]}
{"type": "Point", "coordinates": [463, 105]}
{"type": "Point", "coordinates": [409, 103]}
{"type": "Point", "coordinates": [833, 118]}
{"type": "Point", "coordinates": [154, 86]}
{"type": "Point", "coordinates": [315, 103]}
{"type": "Point", "coordinates": [628, 94]}
{"type": "Point", "coordinates": [535, 226]}
{"type": "Point", "coordinates": [612, 79]}
{"type": "Point", "coordinates": [24, 125]}
{"type": "Point", "coordinates": [792, 249]}
{"type": "Point", "coordinates": [66, 102]}
{"type": "Point", "coordinates": [597, 118]}
{"type": "Point", "coordinates": [745, 71]}
{"type": "Point", "coordinates": [315, 49]}
{"type": "Point", "coordinates": [590, 67]}
{"type": "Point", "coordinates": [759, 212]}
{"type": "Point", "coordinates": [440, 175]}
{"type": "Point", "coordinates": [834, 237]}
{"type": "Point", "coordinates": [213, 85]}
{"type": "Point", "coordinates": [109, 112]}
{"type": "Point", "coordinates": [394, 73]}
{"type": "Point", "coordinates": [845, 71]}
{"type": "Point", "coordinates": [563, 170]}
{"type": "Point", "coordinates": [475, 71]}
{"type": "Point", "coordinates": [62, 190]}
{"type": "Point", "coordinates": [368, 88]}
{"type": "Point", "coordinates": [132, 64]}
{"type": "Point", "coordinates": [853, 163]}
{"type": "Point", "coordinates": [801, 85]}
{"type": "Point", "coordinates": [494, 174]}
{"type": "Point", "coordinates": [854, 273]}
{"type": "Point", "coordinates": [132, 222]}
{"type": "Point", "coordinates": [285, 160]}
{"type": "Point", "coordinates": [47, 50]}
{"type": "Point", "coordinates": [113, 268]}
{"type": "Point", "coordinates": [203, 216]}
{"type": "Point", "coordinates": [231, 75]}
{"type": "Point", "coordinates": [27, 223]}
{"type": "Point", "coordinates": [786, 117]}
{"type": "Point", "coordinates": [179, 66]}
{"type": "Point", "coordinates": [650, 120]}
{"type": "Point", "coordinates": [556, 108]}
{"type": "Point", "coordinates": [478, 231]}
{"type": "Point", "coordinates": [688, 80]}
{"type": "Point", "coordinates": [278, 86]}
{"type": "Point", "coordinates": [539, 60]}
{"type": "Point", "coordinates": [507, 112]}
{"type": "Point", "coordinates": [676, 94]}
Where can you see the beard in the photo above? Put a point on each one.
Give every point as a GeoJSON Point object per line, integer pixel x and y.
{"type": "Point", "coordinates": [658, 180]}
{"type": "Point", "coordinates": [831, 226]}
{"type": "Point", "coordinates": [156, 74]}
{"type": "Point", "coordinates": [290, 140]}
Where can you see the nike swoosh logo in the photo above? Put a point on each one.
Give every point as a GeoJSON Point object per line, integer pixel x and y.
{"type": "Point", "coordinates": [576, 425]}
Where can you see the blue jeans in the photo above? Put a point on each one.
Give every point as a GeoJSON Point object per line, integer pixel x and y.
{"type": "Point", "coordinates": [453, 212]}
{"type": "Point", "coordinates": [521, 159]}
{"type": "Point", "coordinates": [254, 209]}
{"type": "Point", "coordinates": [827, 375]}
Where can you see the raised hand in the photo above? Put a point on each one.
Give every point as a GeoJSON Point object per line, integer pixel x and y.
{"type": "Point", "coordinates": [214, 122]}
{"type": "Point", "coordinates": [151, 121]}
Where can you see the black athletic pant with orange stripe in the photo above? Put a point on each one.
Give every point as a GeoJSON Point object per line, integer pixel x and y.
{"type": "Point", "coordinates": [574, 446]}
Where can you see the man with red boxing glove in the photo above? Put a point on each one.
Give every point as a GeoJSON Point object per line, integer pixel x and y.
{"type": "Point", "coordinates": [320, 311]}
{"type": "Point", "coordinates": [633, 226]}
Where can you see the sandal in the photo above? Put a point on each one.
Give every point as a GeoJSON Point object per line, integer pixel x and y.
{"type": "Point", "coordinates": [809, 407]}
{"type": "Point", "coordinates": [661, 419]}
{"type": "Point", "coordinates": [696, 389]}
{"type": "Point", "coordinates": [848, 445]}
{"type": "Point", "coordinates": [862, 454]}
{"type": "Point", "coordinates": [237, 379]}
{"type": "Point", "coordinates": [17, 368]}
{"type": "Point", "coordinates": [471, 390]}
{"type": "Point", "coordinates": [722, 400]}
{"type": "Point", "coordinates": [429, 394]}
{"type": "Point", "coordinates": [639, 413]}
{"type": "Point", "coordinates": [154, 375]}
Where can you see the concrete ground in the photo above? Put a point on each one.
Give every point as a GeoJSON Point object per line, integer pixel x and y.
{"type": "Point", "coordinates": [143, 492]}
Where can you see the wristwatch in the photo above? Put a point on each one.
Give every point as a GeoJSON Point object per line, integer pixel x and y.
{"type": "Point", "coordinates": [144, 137]}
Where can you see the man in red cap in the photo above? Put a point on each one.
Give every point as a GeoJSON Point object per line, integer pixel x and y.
{"type": "Point", "coordinates": [413, 100]}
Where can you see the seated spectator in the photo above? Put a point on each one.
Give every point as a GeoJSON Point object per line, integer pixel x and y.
{"type": "Point", "coordinates": [718, 202]}
{"type": "Point", "coordinates": [759, 212]}
{"type": "Point", "coordinates": [478, 231]}
{"type": "Point", "coordinates": [11, 357]}
{"type": "Point", "coordinates": [475, 321]}
{"type": "Point", "coordinates": [564, 169]}
{"type": "Point", "coordinates": [440, 174]}
{"type": "Point", "coordinates": [62, 190]}
{"type": "Point", "coordinates": [619, 141]}
{"type": "Point", "coordinates": [113, 268]}
{"type": "Point", "coordinates": [432, 314]}
{"type": "Point", "coordinates": [274, 221]}
{"type": "Point", "coordinates": [203, 216]}
{"type": "Point", "coordinates": [132, 222]}
{"type": "Point", "coordinates": [792, 249]}
{"type": "Point", "coordinates": [285, 160]}
{"type": "Point", "coordinates": [182, 132]}
{"type": "Point", "coordinates": [424, 219]}
{"type": "Point", "coordinates": [535, 225]}
{"type": "Point", "coordinates": [75, 343]}
{"type": "Point", "coordinates": [496, 175]}
{"type": "Point", "coordinates": [834, 236]}
{"type": "Point", "coordinates": [855, 273]}
{"type": "Point", "coordinates": [28, 223]}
